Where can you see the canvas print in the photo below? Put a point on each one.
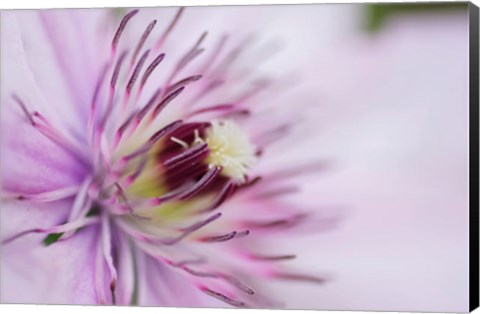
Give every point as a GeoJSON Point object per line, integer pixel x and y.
{"type": "Point", "coordinates": [281, 156]}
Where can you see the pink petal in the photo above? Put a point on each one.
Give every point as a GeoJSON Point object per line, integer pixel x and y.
{"type": "Point", "coordinates": [62, 273]}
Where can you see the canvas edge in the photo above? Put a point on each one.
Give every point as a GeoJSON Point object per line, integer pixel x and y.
{"type": "Point", "coordinates": [474, 157]}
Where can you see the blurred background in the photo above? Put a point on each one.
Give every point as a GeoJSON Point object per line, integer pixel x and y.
{"type": "Point", "coordinates": [395, 120]}
{"type": "Point", "coordinates": [390, 83]}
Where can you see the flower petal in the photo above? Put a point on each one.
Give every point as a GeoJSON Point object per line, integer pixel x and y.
{"type": "Point", "coordinates": [61, 273]}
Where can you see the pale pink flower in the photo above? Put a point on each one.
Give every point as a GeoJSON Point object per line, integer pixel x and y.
{"type": "Point", "coordinates": [139, 167]}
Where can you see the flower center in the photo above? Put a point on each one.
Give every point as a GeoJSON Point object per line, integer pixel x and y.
{"type": "Point", "coordinates": [230, 149]}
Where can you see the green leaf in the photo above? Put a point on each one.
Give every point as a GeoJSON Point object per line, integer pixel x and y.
{"type": "Point", "coordinates": [51, 238]}
{"type": "Point", "coordinates": [377, 14]}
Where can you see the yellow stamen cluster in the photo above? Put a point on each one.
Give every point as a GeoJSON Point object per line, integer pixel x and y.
{"type": "Point", "coordinates": [230, 148]}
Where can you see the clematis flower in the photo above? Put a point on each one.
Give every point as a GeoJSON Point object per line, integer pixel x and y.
{"type": "Point", "coordinates": [138, 171]}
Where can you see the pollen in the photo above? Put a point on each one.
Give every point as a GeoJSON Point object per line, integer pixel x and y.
{"type": "Point", "coordinates": [230, 149]}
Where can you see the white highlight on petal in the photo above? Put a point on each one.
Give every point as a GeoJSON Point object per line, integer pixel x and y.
{"type": "Point", "coordinates": [230, 148]}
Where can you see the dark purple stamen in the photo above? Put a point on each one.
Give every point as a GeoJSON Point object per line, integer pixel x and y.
{"type": "Point", "coordinates": [190, 229]}
{"type": "Point", "coordinates": [165, 101]}
{"type": "Point", "coordinates": [188, 57]}
{"type": "Point", "coordinates": [116, 70]}
{"type": "Point", "coordinates": [211, 174]}
{"type": "Point", "coordinates": [186, 133]}
{"type": "Point", "coordinates": [201, 224]}
{"type": "Point", "coordinates": [280, 223]}
{"type": "Point", "coordinates": [138, 171]}
{"type": "Point", "coordinates": [169, 28]}
{"type": "Point", "coordinates": [251, 182]}
{"type": "Point", "coordinates": [189, 155]}
{"type": "Point", "coordinates": [225, 237]}
{"type": "Point", "coordinates": [273, 257]}
{"type": "Point", "coordinates": [141, 114]}
{"type": "Point", "coordinates": [98, 87]}
{"type": "Point", "coordinates": [236, 113]}
{"type": "Point", "coordinates": [177, 176]}
{"type": "Point", "coordinates": [224, 194]}
{"type": "Point", "coordinates": [142, 40]}
{"type": "Point", "coordinates": [152, 67]}
{"type": "Point", "coordinates": [224, 107]}
{"type": "Point", "coordinates": [125, 124]}
{"type": "Point", "coordinates": [153, 139]}
{"type": "Point", "coordinates": [121, 27]}
{"type": "Point", "coordinates": [220, 238]}
{"type": "Point", "coordinates": [136, 71]}
{"type": "Point", "coordinates": [124, 198]}
{"type": "Point", "coordinates": [184, 82]}
{"type": "Point", "coordinates": [278, 191]}
{"type": "Point", "coordinates": [166, 197]}
{"type": "Point", "coordinates": [216, 51]}
{"type": "Point", "coordinates": [240, 285]}
{"type": "Point", "coordinates": [232, 280]}
{"type": "Point", "coordinates": [299, 277]}
{"type": "Point", "coordinates": [222, 297]}
{"type": "Point", "coordinates": [164, 131]}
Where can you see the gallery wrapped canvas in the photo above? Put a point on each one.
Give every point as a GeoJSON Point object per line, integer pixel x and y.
{"type": "Point", "coordinates": [266, 156]}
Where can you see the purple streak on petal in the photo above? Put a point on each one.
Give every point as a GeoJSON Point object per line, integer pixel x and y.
{"type": "Point", "coordinates": [188, 262]}
{"type": "Point", "coordinates": [100, 287]}
{"type": "Point", "coordinates": [76, 69]}
{"type": "Point", "coordinates": [27, 113]}
{"type": "Point", "coordinates": [43, 197]}
{"type": "Point", "coordinates": [81, 204]}
{"type": "Point", "coordinates": [107, 253]}
{"type": "Point", "coordinates": [126, 271]}
{"type": "Point", "coordinates": [53, 134]}
{"type": "Point", "coordinates": [70, 226]}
